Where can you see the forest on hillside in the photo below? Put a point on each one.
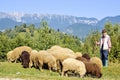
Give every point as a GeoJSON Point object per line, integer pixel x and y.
{"type": "Point", "coordinates": [43, 37]}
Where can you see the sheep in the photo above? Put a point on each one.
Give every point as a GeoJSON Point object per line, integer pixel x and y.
{"type": "Point", "coordinates": [17, 52]}
{"type": "Point", "coordinates": [59, 49]}
{"type": "Point", "coordinates": [73, 65]}
{"type": "Point", "coordinates": [93, 69]}
{"type": "Point", "coordinates": [44, 57]}
{"type": "Point", "coordinates": [81, 59]}
{"type": "Point", "coordinates": [61, 54]}
{"type": "Point", "coordinates": [67, 50]}
{"type": "Point", "coordinates": [25, 59]}
{"type": "Point", "coordinates": [56, 47]}
{"type": "Point", "coordinates": [9, 56]}
{"type": "Point", "coordinates": [97, 61]}
{"type": "Point", "coordinates": [78, 54]}
{"type": "Point", "coordinates": [33, 55]}
{"type": "Point", "coordinates": [87, 56]}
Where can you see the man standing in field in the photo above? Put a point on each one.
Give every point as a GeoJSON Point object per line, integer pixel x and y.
{"type": "Point", "coordinates": [105, 46]}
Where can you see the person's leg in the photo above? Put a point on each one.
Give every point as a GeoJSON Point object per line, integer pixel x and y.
{"type": "Point", "coordinates": [106, 63]}
{"type": "Point", "coordinates": [102, 57]}
{"type": "Point", "coordinates": [106, 58]}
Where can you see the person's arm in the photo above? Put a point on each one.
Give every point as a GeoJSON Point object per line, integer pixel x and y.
{"type": "Point", "coordinates": [98, 43]}
{"type": "Point", "coordinates": [109, 44]}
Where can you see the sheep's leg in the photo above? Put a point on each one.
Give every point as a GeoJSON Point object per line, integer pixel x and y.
{"type": "Point", "coordinates": [62, 74]}
{"type": "Point", "coordinates": [49, 67]}
{"type": "Point", "coordinates": [40, 65]}
{"type": "Point", "coordinates": [15, 61]}
{"type": "Point", "coordinates": [81, 75]}
{"type": "Point", "coordinates": [66, 73]}
{"type": "Point", "coordinates": [30, 64]}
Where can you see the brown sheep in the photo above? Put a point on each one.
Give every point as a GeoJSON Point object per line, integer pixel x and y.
{"type": "Point", "coordinates": [25, 59]}
{"type": "Point", "coordinates": [82, 59]}
{"type": "Point", "coordinates": [87, 56]}
{"type": "Point", "coordinates": [97, 61]}
{"type": "Point", "coordinates": [17, 52]}
{"type": "Point", "coordinates": [93, 69]}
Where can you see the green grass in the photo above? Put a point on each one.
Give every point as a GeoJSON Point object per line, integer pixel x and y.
{"type": "Point", "coordinates": [15, 70]}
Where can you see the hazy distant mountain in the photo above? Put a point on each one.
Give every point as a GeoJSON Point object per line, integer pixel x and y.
{"type": "Point", "coordinates": [112, 20]}
{"type": "Point", "coordinates": [6, 23]}
{"type": "Point", "coordinates": [80, 30]}
{"type": "Point", "coordinates": [55, 21]}
{"type": "Point", "coordinates": [79, 26]}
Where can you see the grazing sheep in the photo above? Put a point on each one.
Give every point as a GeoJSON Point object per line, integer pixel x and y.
{"type": "Point", "coordinates": [78, 54]}
{"type": "Point", "coordinates": [17, 52]}
{"type": "Point", "coordinates": [67, 50]}
{"type": "Point", "coordinates": [25, 59]}
{"type": "Point", "coordinates": [93, 69]}
{"type": "Point", "coordinates": [87, 56]}
{"type": "Point", "coordinates": [73, 65]}
{"type": "Point", "coordinates": [43, 57]}
{"type": "Point", "coordinates": [56, 47]}
{"type": "Point", "coordinates": [60, 54]}
{"type": "Point", "coordinates": [97, 61]}
{"type": "Point", "coordinates": [33, 55]}
{"type": "Point", "coordinates": [9, 56]}
{"type": "Point", "coordinates": [81, 59]}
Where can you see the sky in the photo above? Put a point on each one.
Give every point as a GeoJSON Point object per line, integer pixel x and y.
{"type": "Point", "coordinates": [80, 8]}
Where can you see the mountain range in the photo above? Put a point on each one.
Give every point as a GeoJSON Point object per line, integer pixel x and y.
{"type": "Point", "coordinates": [78, 26]}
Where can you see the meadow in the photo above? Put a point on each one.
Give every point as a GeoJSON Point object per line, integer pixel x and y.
{"type": "Point", "coordinates": [14, 71]}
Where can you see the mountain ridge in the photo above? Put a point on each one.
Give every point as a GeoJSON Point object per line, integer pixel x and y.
{"type": "Point", "coordinates": [64, 23]}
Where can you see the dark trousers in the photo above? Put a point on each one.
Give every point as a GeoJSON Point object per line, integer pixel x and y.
{"type": "Point", "coordinates": [104, 56]}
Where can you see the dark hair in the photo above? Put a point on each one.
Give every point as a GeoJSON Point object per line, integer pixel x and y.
{"type": "Point", "coordinates": [104, 31]}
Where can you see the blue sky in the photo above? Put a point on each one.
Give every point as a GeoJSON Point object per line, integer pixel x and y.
{"type": "Point", "coordinates": [80, 8]}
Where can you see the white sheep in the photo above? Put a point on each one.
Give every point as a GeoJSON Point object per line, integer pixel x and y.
{"type": "Point", "coordinates": [74, 65]}
{"type": "Point", "coordinates": [44, 57]}
{"type": "Point", "coordinates": [9, 56]}
{"type": "Point", "coordinates": [17, 52]}
{"type": "Point", "coordinates": [61, 54]}
{"type": "Point", "coordinates": [33, 55]}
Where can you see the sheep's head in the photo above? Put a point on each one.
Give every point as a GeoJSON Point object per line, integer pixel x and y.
{"type": "Point", "coordinates": [54, 68]}
{"type": "Point", "coordinates": [25, 59]}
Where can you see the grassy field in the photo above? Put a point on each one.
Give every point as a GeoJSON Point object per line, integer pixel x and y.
{"type": "Point", "coordinates": [10, 71]}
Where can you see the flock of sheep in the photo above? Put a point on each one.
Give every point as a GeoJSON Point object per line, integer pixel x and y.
{"type": "Point", "coordinates": [59, 59]}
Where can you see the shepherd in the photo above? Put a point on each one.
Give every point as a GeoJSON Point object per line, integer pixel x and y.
{"type": "Point", "coordinates": [105, 47]}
